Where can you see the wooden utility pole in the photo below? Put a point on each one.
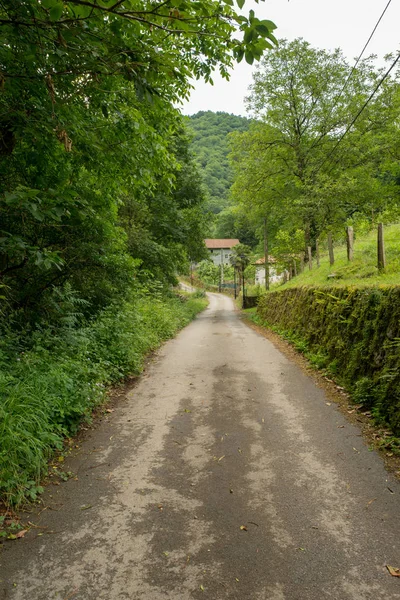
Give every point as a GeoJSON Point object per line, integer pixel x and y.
{"type": "Point", "coordinates": [330, 249]}
{"type": "Point", "coordinates": [350, 243]}
{"type": "Point", "coordinates": [381, 249]}
{"type": "Point", "coordinates": [266, 257]}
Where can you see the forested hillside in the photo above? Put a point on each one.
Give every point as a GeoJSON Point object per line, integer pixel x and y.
{"type": "Point", "coordinates": [210, 145]}
{"type": "Point", "coordinates": [100, 200]}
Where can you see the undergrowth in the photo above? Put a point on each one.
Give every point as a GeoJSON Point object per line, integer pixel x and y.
{"type": "Point", "coordinates": [52, 380]}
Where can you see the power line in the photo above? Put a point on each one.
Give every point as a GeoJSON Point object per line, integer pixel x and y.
{"type": "Point", "coordinates": [354, 67]}
{"type": "Point", "coordinates": [363, 50]}
{"type": "Point", "coordinates": [360, 111]}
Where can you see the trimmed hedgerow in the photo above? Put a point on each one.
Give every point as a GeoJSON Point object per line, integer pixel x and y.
{"type": "Point", "coordinates": [49, 386]}
{"type": "Point", "coordinates": [356, 329]}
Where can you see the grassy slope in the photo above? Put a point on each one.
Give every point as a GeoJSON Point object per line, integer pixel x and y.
{"type": "Point", "coordinates": [362, 271]}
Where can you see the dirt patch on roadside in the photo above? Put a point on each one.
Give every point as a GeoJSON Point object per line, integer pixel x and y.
{"type": "Point", "coordinates": [376, 437]}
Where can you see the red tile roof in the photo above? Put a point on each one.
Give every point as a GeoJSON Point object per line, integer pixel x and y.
{"type": "Point", "coordinates": [217, 244]}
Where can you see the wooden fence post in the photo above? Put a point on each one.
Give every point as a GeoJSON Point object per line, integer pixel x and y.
{"type": "Point", "coordinates": [330, 248]}
{"type": "Point", "coordinates": [350, 242]}
{"type": "Point", "coordinates": [294, 267]}
{"type": "Point", "coordinates": [302, 263]}
{"type": "Point", "coordinates": [309, 257]}
{"type": "Point", "coordinates": [317, 251]}
{"type": "Point", "coordinates": [381, 249]}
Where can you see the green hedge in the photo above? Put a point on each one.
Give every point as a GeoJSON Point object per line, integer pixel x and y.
{"type": "Point", "coordinates": [356, 330]}
{"type": "Point", "coordinates": [48, 389]}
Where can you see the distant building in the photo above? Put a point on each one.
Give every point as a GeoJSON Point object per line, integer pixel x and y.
{"type": "Point", "coordinates": [220, 250]}
{"type": "Point", "coordinates": [260, 271]}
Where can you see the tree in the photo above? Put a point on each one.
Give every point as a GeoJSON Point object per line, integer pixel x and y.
{"type": "Point", "coordinates": [88, 140]}
{"type": "Point", "coordinates": [157, 45]}
{"type": "Point", "coordinates": [303, 101]}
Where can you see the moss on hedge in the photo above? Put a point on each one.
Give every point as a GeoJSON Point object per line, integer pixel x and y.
{"type": "Point", "coordinates": [358, 329]}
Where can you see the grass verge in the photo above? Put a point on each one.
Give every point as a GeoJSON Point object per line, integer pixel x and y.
{"type": "Point", "coordinates": [49, 386]}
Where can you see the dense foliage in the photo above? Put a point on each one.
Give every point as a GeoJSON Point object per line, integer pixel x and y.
{"type": "Point", "coordinates": [47, 389]}
{"type": "Point", "coordinates": [320, 154]}
{"type": "Point", "coordinates": [100, 198]}
{"type": "Point", "coordinates": [354, 333]}
{"type": "Point", "coordinates": [210, 144]}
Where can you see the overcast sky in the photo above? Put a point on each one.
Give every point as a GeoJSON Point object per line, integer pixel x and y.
{"type": "Point", "coordinates": [324, 23]}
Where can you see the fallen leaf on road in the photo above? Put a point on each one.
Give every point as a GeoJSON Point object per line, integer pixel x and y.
{"type": "Point", "coordinates": [166, 553]}
{"type": "Point", "coordinates": [393, 571]}
{"type": "Point", "coordinates": [221, 457]}
{"type": "Point", "coordinates": [86, 506]}
{"type": "Point", "coordinates": [236, 579]}
{"type": "Point", "coordinates": [202, 589]}
{"type": "Point", "coordinates": [328, 403]}
{"type": "Point", "coordinates": [109, 410]}
{"type": "Point", "coordinates": [370, 502]}
{"type": "Point", "coordinates": [239, 450]}
{"type": "Point", "coordinates": [243, 527]}
{"type": "Point", "coordinates": [340, 426]}
{"type": "Point", "coordinates": [21, 534]}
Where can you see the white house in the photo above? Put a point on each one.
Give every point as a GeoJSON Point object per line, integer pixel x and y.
{"type": "Point", "coordinates": [260, 271]}
{"type": "Point", "coordinates": [220, 250]}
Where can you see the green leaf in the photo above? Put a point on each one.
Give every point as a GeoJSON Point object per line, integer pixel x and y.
{"type": "Point", "coordinates": [269, 24]}
{"type": "Point", "coordinates": [56, 11]}
{"type": "Point", "coordinates": [249, 57]}
{"type": "Point", "coordinates": [249, 35]}
{"type": "Point", "coordinates": [262, 29]}
{"type": "Point", "coordinates": [240, 3]}
{"type": "Point", "coordinates": [239, 55]}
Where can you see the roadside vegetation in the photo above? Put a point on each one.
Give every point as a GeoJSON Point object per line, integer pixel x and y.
{"type": "Point", "coordinates": [101, 201]}
{"type": "Point", "coordinates": [51, 381]}
{"type": "Point", "coordinates": [362, 270]}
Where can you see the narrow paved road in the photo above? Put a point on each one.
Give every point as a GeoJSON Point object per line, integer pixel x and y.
{"type": "Point", "coordinates": [223, 475]}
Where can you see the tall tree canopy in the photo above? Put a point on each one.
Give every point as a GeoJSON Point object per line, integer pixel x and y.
{"type": "Point", "coordinates": [97, 184]}
{"type": "Point", "coordinates": [293, 165]}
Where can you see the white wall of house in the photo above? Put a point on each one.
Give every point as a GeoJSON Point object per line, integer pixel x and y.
{"type": "Point", "coordinates": [217, 253]}
{"type": "Point", "coordinates": [273, 276]}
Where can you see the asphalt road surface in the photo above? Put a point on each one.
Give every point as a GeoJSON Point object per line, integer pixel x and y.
{"type": "Point", "coordinates": [224, 475]}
